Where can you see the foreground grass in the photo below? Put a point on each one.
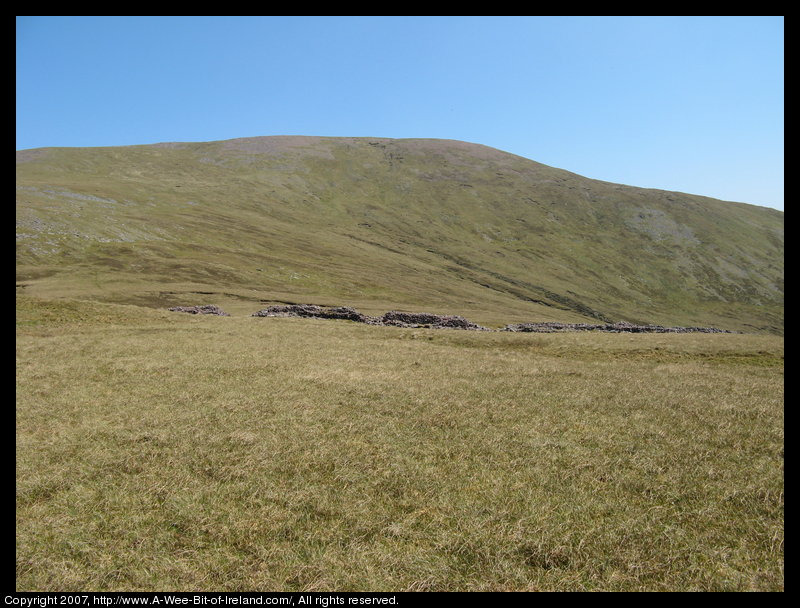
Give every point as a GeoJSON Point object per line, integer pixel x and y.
{"type": "Point", "coordinates": [160, 451]}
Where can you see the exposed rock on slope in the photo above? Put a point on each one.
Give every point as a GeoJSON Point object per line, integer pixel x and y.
{"type": "Point", "coordinates": [607, 327]}
{"type": "Point", "coordinates": [394, 318]}
{"type": "Point", "coordinates": [432, 321]}
{"type": "Point", "coordinates": [424, 319]}
{"type": "Point", "coordinates": [208, 309]}
{"type": "Point", "coordinates": [311, 310]}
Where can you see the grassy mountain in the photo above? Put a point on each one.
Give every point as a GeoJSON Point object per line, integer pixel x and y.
{"type": "Point", "coordinates": [379, 224]}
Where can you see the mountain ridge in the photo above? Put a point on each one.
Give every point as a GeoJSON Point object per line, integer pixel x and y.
{"type": "Point", "coordinates": [384, 223]}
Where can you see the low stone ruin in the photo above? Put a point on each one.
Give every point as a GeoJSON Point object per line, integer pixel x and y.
{"type": "Point", "coordinates": [208, 309]}
{"type": "Point", "coordinates": [392, 318]}
{"type": "Point", "coordinates": [395, 318]}
{"type": "Point", "coordinates": [311, 310]}
{"type": "Point", "coordinates": [425, 319]}
{"type": "Point", "coordinates": [621, 327]}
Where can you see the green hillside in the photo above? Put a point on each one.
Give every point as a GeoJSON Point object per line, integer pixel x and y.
{"type": "Point", "coordinates": [379, 224]}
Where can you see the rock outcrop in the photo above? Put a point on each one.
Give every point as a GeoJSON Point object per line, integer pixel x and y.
{"type": "Point", "coordinates": [208, 309]}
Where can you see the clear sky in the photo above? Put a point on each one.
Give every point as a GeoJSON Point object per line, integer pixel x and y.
{"type": "Point", "coordinates": [693, 104]}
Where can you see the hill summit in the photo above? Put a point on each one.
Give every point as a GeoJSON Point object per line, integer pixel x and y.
{"type": "Point", "coordinates": [379, 224]}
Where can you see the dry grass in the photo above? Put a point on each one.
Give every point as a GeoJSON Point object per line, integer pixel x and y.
{"type": "Point", "coordinates": [160, 451]}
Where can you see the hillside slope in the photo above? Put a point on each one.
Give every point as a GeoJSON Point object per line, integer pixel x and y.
{"type": "Point", "coordinates": [415, 224]}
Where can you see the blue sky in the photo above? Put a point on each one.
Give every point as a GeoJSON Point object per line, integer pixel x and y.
{"type": "Point", "coordinates": [693, 104]}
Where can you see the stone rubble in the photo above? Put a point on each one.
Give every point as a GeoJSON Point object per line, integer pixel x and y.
{"type": "Point", "coordinates": [311, 310]}
{"type": "Point", "coordinates": [392, 318]}
{"type": "Point", "coordinates": [620, 327]}
{"type": "Point", "coordinates": [395, 318]}
{"type": "Point", "coordinates": [425, 319]}
{"type": "Point", "coordinates": [208, 309]}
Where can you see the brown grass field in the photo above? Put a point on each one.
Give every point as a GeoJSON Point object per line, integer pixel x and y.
{"type": "Point", "coordinates": [161, 451]}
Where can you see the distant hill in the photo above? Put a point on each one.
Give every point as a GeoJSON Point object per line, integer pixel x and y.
{"type": "Point", "coordinates": [414, 224]}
